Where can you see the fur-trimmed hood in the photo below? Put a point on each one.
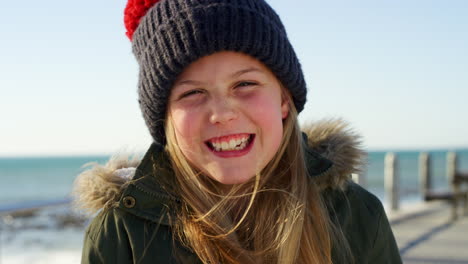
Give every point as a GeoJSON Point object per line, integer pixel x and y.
{"type": "Point", "coordinates": [101, 186]}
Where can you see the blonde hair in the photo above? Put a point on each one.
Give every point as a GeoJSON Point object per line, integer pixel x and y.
{"type": "Point", "coordinates": [277, 217]}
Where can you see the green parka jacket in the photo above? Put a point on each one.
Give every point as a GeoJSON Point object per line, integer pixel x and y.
{"type": "Point", "coordinates": [133, 221]}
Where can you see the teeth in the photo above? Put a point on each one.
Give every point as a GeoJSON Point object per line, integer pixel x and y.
{"type": "Point", "coordinates": [224, 145]}
{"type": "Point", "coordinates": [233, 144]}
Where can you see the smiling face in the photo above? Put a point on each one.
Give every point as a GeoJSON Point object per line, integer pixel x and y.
{"type": "Point", "coordinates": [227, 111]}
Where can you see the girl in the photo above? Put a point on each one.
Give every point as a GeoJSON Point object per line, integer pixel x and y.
{"type": "Point", "coordinates": [230, 178]}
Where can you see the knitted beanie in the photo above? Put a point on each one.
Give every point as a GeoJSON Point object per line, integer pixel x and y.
{"type": "Point", "coordinates": [168, 35]}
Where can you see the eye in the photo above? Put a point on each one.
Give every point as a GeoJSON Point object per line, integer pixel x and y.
{"type": "Point", "coordinates": [246, 84]}
{"type": "Point", "coordinates": [190, 93]}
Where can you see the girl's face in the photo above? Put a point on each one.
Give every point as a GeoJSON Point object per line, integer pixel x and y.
{"type": "Point", "coordinates": [227, 111]}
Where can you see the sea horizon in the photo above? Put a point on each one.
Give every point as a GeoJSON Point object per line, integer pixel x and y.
{"type": "Point", "coordinates": [142, 152]}
{"type": "Point", "coordinates": [33, 178]}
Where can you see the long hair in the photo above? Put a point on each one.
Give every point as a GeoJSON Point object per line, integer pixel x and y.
{"type": "Point", "coordinates": [276, 217]}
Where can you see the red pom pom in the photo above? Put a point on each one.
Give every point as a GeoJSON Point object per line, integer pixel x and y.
{"type": "Point", "coordinates": [133, 13]}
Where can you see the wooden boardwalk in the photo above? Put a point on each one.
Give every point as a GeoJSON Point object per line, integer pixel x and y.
{"type": "Point", "coordinates": [430, 236]}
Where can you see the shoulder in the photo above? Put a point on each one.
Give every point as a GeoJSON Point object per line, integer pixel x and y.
{"type": "Point", "coordinates": [117, 236]}
{"type": "Point", "coordinates": [119, 228]}
{"type": "Point", "coordinates": [106, 238]}
{"type": "Point", "coordinates": [363, 199]}
{"type": "Point", "coordinates": [363, 221]}
{"type": "Point", "coordinates": [108, 223]}
{"type": "Point", "coordinates": [353, 205]}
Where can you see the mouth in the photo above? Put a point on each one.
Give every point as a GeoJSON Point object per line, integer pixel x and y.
{"type": "Point", "coordinates": [230, 143]}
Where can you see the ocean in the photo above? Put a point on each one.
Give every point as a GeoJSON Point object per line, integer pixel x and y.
{"type": "Point", "coordinates": [40, 178]}
{"type": "Point", "coordinates": [48, 178]}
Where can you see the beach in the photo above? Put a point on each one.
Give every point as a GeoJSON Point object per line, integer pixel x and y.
{"type": "Point", "coordinates": [51, 235]}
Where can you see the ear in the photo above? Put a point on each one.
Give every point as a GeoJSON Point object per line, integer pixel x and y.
{"type": "Point", "coordinates": [284, 107]}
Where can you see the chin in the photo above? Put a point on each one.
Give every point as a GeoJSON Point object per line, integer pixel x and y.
{"type": "Point", "coordinates": [232, 179]}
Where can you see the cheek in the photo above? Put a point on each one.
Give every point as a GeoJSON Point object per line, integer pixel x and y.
{"type": "Point", "coordinates": [268, 115]}
{"type": "Point", "coordinates": [186, 126]}
{"type": "Point", "coordinates": [267, 111]}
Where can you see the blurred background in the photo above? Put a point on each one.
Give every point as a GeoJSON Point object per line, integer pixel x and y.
{"type": "Point", "coordinates": [395, 70]}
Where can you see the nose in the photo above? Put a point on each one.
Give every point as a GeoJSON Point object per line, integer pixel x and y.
{"type": "Point", "coordinates": [222, 112]}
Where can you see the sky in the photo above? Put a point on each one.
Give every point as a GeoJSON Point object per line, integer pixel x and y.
{"type": "Point", "coordinates": [395, 70]}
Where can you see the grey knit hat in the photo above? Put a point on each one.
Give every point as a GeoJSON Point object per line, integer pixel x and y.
{"type": "Point", "coordinates": [169, 35]}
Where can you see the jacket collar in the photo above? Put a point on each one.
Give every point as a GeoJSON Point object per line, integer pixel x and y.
{"type": "Point", "coordinates": [146, 198]}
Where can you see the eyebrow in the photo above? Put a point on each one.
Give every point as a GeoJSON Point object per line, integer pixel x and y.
{"type": "Point", "coordinates": [190, 82]}
{"type": "Point", "coordinates": [234, 75]}
{"type": "Point", "coordinates": [239, 73]}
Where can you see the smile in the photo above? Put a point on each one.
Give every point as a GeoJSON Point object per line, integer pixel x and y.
{"type": "Point", "coordinates": [230, 143]}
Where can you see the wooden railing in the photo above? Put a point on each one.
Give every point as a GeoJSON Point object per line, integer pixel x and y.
{"type": "Point", "coordinates": [456, 194]}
